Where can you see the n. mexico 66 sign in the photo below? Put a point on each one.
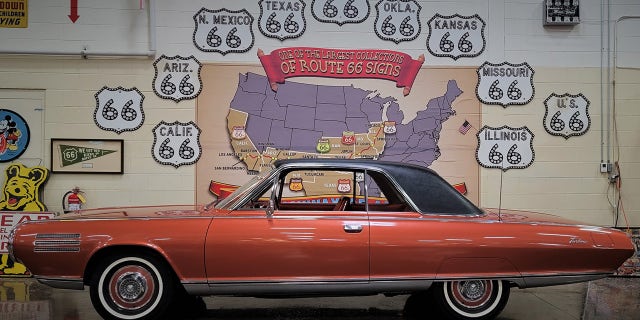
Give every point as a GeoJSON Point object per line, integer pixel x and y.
{"type": "Point", "coordinates": [223, 31]}
{"type": "Point", "coordinates": [566, 115]}
{"type": "Point", "coordinates": [119, 109]}
{"type": "Point", "coordinates": [177, 78]}
{"type": "Point", "coordinates": [397, 20]}
{"type": "Point", "coordinates": [456, 36]}
{"type": "Point", "coordinates": [505, 84]}
{"type": "Point", "coordinates": [282, 19]}
{"type": "Point", "coordinates": [176, 143]}
{"type": "Point", "coordinates": [505, 147]}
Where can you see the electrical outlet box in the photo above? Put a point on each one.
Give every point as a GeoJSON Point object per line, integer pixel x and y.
{"type": "Point", "coordinates": [605, 167]}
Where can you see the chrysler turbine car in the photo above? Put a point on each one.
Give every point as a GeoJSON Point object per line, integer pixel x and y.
{"type": "Point", "coordinates": [317, 227]}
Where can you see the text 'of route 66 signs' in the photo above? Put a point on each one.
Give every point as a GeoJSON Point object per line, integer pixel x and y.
{"type": "Point", "coordinates": [505, 147]}
{"type": "Point", "coordinates": [177, 78]}
{"type": "Point", "coordinates": [397, 20]}
{"type": "Point", "coordinates": [505, 84]}
{"type": "Point", "coordinates": [176, 143]}
{"type": "Point", "coordinates": [282, 19]}
{"type": "Point", "coordinates": [340, 11]}
{"type": "Point", "coordinates": [456, 36]}
{"type": "Point", "coordinates": [566, 115]}
{"type": "Point", "coordinates": [223, 31]}
{"type": "Point", "coordinates": [119, 109]}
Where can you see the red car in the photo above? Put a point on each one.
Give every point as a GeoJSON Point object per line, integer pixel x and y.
{"type": "Point", "coordinates": [317, 227]}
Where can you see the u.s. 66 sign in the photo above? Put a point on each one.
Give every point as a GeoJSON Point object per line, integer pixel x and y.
{"type": "Point", "coordinates": [566, 115]}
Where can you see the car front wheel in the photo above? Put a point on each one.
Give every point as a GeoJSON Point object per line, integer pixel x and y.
{"type": "Point", "coordinates": [132, 287]}
{"type": "Point", "coordinates": [470, 299]}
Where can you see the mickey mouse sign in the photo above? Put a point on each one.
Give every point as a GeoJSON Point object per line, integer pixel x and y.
{"type": "Point", "coordinates": [177, 78]}
{"type": "Point", "coordinates": [14, 135]}
{"type": "Point", "coordinates": [176, 143]}
{"type": "Point", "coordinates": [119, 109]}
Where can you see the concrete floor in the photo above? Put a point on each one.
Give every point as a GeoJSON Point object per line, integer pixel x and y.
{"type": "Point", "coordinates": [611, 298]}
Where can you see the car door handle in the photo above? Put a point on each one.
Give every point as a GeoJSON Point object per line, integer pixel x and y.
{"type": "Point", "coordinates": [352, 228]}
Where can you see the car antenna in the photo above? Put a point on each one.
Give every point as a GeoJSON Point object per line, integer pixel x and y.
{"type": "Point", "coordinates": [500, 200]}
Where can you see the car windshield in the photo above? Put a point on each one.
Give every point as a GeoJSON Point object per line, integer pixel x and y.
{"type": "Point", "coordinates": [221, 203]}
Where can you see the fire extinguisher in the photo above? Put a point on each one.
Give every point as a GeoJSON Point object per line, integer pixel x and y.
{"type": "Point", "coordinates": [73, 200]}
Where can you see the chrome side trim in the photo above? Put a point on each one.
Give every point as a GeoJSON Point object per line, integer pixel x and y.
{"type": "Point", "coordinates": [554, 280]}
{"type": "Point", "coordinates": [62, 283]}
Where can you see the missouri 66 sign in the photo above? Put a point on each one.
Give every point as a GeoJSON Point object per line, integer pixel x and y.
{"type": "Point", "coordinates": [456, 36]}
{"type": "Point", "coordinates": [566, 115]}
{"type": "Point", "coordinates": [505, 84]}
{"type": "Point", "coordinates": [118, 109]}
{"type": "Point", "coordinates": [177, 78]}
{"type": "Point", "coordinates": [176, 143]}
{"type": "Point", "coordinates": [505, 147]}
{"type": "Point", "coordinates": [223, 31]}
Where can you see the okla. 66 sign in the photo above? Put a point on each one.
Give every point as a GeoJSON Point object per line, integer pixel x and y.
{"type": "Point", "coordinates": [505, 147]}
{"type": "Point", "coordinates": [176, 143]}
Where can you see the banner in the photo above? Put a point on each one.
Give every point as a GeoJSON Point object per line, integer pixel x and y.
{"type": "Point", "coordinates": [340, 63]}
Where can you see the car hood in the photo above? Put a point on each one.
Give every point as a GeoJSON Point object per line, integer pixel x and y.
{"type": "Point", "coordinates": [172, 211]}
{"type": "Point", "coordinates": [517, 216]}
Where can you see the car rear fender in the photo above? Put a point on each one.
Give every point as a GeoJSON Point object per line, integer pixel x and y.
{"type": "Point", "coordinates": [478, 267]}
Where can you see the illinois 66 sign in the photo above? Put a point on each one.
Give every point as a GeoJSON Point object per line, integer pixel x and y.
{"type": "Point", "coordinates": [505, 147]}
{"type": "Point", "coordinates": [176, 143]}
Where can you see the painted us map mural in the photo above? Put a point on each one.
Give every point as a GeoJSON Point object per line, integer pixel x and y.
{"type": "Point", "coordinates": [247, 125]}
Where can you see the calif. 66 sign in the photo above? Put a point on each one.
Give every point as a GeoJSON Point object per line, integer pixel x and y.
{"type": "Point", "coordinates": [176, 143]}
{"type": "Point", "coordinates": [505, 147]}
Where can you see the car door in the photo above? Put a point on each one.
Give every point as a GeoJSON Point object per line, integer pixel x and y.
{"type": "Point", "coordinates": [306, 238]}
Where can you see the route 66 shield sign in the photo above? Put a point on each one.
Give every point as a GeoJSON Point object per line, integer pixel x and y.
{"type": "Point", "coordinates": [340, 11]}
{"type": "Point", "coordinates": [344, 185]}
{"type": "Point", "coordinates": [177, 78]}
{"type": "Point", "coordinates": [397, 20]}
{"type": "Point", "coordinates": [176, 143]}
{"type": "Point", "coordinates": [456, 36]}
{"type": "Point", "coordinates": [282, 19]}
{"type": "Point", "coordinates": [118, 109]}
{"type": "Point", "coordinates": [505, 147]}
{"type": "Point", "coordinates": [566, 115]}
{"type": "Point", "coordinates": [223, 31]}
{"type": "Point", "coordinates": [505, 84]}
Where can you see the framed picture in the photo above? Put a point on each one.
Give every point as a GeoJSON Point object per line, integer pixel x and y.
{"type": "Point", "coordinates": [87, 156]}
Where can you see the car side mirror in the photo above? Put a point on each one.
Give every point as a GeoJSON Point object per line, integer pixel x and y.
{"type": "Point", "coordinates": [270, 208]}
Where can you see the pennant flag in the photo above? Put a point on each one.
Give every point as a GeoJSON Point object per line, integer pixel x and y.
{"type": "Point", "coordinates": [76, 154]}
{"type": "Point", "coordinates": [465, 127]}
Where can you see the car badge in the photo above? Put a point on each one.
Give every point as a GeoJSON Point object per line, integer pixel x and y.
{"type": "Point", "coordinates": [348, 138]}
{"type": "Point", "coordinates": [505, 84]}
{"type": "Point", "coordinates": [176, 143]}
{"type": "Point", "coordinates": [223, 31]}
{"type": "Point", "coordinates": [397, 20]}
{"type": "Point", "coordinates": [456, 36]}
{"type": "Point", "coordinates": [323, 146]}
{"type": "Point", "coordinates": [344, 185]}
{"type": "Point", "coordinates": [566, 115]}
{"type": "Point", "coordinates": [389, 127]}
{"type": "Point", "coordinates": [295, 184]}
{"type": "Point", "coordinates": [119, 109]}
{"type": "Point", "coordinates": [177, 78]}
{"type": "Point", "coordinates": [505, 147]}
{"type": "Point", "coordinates": [340, 11]}
{"type": "Point", "coordinates": [282, 19]}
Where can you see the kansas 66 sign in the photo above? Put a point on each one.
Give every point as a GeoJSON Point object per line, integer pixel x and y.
{"type": "Point", "coordinates": [118, 109]}
{"type": "Point", "coordinates": [176, 143]}
{"type": "Point", "coordinates": [456, 36]}
{"type": "Point", "coordinates": [566, 115]}
{"type": "Point", "coordinates": [505, 147]}
{"type": "Point", "coordinates": [177, 78]}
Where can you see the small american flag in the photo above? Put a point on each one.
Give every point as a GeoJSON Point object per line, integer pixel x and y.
{"type": "Point", "coordinates": [465, 127]}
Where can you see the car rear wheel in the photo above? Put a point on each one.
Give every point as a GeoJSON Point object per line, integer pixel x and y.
{"type": "Point", "coordinates": [132, 287]}
{"type": "Point", "coordinates": [470, 299]}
